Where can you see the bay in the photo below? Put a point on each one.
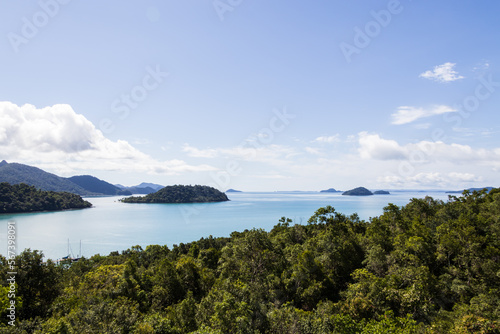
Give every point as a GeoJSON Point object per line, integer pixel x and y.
{"type": "Point", "coordinates": [114, 226]}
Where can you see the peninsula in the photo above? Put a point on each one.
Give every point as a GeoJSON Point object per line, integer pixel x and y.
{"type": "Point", "coordinates": [180, 194]}
{"type": "Point", "coordinates": [22, 198]}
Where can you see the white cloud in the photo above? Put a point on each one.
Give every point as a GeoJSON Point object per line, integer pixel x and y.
{"type": "Point", "coordinates": [58, 139]}
{"type": "Point", "coordinates": [372, 146]}
{"type": "Point", "coordinates": [313, 150]}
{"type": "Point", "coordinates": [430, 180]}
{"type": "Point", "coordinates": [250, 151]}
{"type": "Point", "coordinates": [482, 67]}
{"type": "Point", "coordinates": [408, 114]}
{"type": "Point", "coordinates": [442, 73]}
{"type": "Point", "coordinates": [328, 139]}
{"type": "Point", "coordinates": [197, 153]}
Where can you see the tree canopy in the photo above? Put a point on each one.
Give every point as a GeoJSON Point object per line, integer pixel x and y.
{"type": "Point", "coordinates": [180, 194]}
{"type": "Point", "coordinates": [427, 267]}
{"type": "Point", "coordinates": [20, 198]}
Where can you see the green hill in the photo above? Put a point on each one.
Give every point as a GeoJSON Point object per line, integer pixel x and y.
{"type": "Point", "coordinates": [20, 198]}
{"type": "Point", "coordinates": [181, 194]}
{"type": "Point", "coordinates": [360, 191]}
{"type": "Point", "coordinates": [15, 173]}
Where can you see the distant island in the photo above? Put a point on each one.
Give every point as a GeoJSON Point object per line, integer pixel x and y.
{"type": "Point", "coordinates": [180, 194]}
{"type": "Point", "coordinates": [381, 192]}
{"type": "Point", "coordinates": [330, 190]}
{"type": "Point", "coordinates": [22, 198]}
{"type": "Point", "coordinates": [488, 189]}
{"type": "Point", "coordinates": [360, 191]}
{"type": "Point", "coordinates": [233, 191]}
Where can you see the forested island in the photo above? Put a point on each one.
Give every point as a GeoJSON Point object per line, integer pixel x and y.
{"type": "Point", "coordinates": [359, 191]}
{"type": "Point", "coordinates": [427, 267]}
{"type": "Point", "coordinates": [21, 198]}
{"type": "Point", "coordinates": [180, 194]}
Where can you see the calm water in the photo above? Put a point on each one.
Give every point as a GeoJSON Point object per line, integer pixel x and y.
{"type": "Point", "coordinates": [114, 226]}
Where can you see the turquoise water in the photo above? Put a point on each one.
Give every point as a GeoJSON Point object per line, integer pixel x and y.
{"type": "Point", "coordinates": [114, 226]}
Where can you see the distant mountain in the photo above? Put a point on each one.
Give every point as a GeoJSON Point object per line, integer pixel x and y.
{"type": "Point", "coordinates": [15, 173]}
{"type": "Point", "coordinates": [233, 191]}
{"type": "Point", "coordinates": [181, 194]}
{"type": "Point", "coordinates": [95, 185]}
{"type": "Point", "coordinates": [360, 191]}
{"type": "Point", "coordinates": [330, 190]}
{"type": "Point", "coordinates": [470, 189]}
{"type": "Point", "coordinates": [154, 186]}
{"type": "Point", "coordinates": [381, 192]}
{"type": "Point", "coordinates": [142, 189]}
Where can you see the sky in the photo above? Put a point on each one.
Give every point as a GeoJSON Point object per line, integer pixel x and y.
{"type": "Point", "coordinates": [254, 95]}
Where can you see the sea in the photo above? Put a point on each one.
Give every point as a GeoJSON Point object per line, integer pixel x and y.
{"type": "Point", "coordinates": [111, 225]}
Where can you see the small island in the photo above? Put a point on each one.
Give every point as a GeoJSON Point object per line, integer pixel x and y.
{"type": "Point", "coordinates": [381, 192]}
{"type": "Point", "coordinates": [180, 194]}
{"type": "Point", "coordinates": [360, 191]}
{"type": "Point", "coordinates": [330, 190]}
{"type": "Point", "coordinates": [233, 191]}
{"type": "Point", "coordinates": [22, 198]}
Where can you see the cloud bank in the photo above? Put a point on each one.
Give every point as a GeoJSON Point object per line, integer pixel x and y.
{"type": "Point", "coordinates": [59, 139]}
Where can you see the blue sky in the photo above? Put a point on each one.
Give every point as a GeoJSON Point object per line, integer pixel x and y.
{"type": "Point", "coordinates": [254, 95]}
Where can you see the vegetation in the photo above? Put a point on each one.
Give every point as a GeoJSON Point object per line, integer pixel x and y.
{"type": "Point", "coordinates": [181, 194]}
{"type": "Point", "coordinates": [427, 267]}
{"type": "Point", "coordinates": [14, 173]}
{"type": "Point", "coordinates": [24, 198]}
{"type": "Point", "coordinates": [360, 191]}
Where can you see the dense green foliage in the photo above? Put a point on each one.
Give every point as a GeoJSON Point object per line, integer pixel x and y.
{"type": "Point", "coordinates": [359, 191]}
{"type": "Point", "coordinates": [23, 198]}
{"type": "Point", "coordinates": [181, 194]}
{"type": "Point", "coordinates": [14, 173]}
{"type": "Point", "coordinates": [94, 185]}
{"type": "Point", "coordinates": [428, 267]}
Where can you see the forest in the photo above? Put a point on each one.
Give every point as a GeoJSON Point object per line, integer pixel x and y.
{"type": "Point", "coordinates": [427, 267]}
{"type": "Point", "coordinates": [180, 194]}
{"type": "Point", "coordinates": [20, 198]}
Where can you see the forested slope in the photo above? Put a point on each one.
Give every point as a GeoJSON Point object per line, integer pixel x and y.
{"type": "Point", "coordinates": [21, 198]}
{"type": "Point", "coordinates": [428, 267]}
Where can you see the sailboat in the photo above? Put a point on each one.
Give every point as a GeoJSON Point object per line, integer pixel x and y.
{"type": "Point", "coordinates": [70, 258]}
